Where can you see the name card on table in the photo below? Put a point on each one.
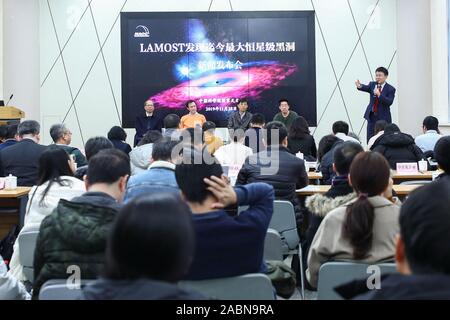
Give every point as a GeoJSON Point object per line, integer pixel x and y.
{"type": "Point", "coordinates": [407, 168]}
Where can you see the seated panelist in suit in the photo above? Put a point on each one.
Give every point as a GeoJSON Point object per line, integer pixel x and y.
{"type": "Point", "coordinates": [382, 96]}
{"type": "Point", "coordinates": [150, 120]}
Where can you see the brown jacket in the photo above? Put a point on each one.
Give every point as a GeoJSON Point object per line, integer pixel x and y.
{"type": "Point", "coordinates": [329, 243]}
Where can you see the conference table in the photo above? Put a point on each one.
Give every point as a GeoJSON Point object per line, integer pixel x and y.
{"type": "Point", "coordinates": [13, 201]}
{"type": "Point", "coordinates": [420, 175]}
{"type": "Point", "coordinates": [400, 189]}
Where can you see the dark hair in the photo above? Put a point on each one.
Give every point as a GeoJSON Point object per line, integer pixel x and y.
{"type": "Point", "coordinates": [57, 131]}
{"type": "Point", "coordinates": [283, 100]}
{"type": "Point", "coordinates": [191, 172]}
{"type": "Point", "coordinates": [299, 128]}
{"type": "Point", "coordinates": [171, 121]}
{"type": "Point", "coordinates": [193, 135]}
{"type": "Point", "coordinates": [12, 131]}
{"type": "Point", "coordinates": [325, 144]}
{"type": "Point", "coordinates": [162, 149]}
{"type": "Point", "coordinates": [340, 126]}
{"type": "Point", "coordinates": [189, 102]}
{"type": "Point", "coordinates": [53, 164]}
{"type": "Point", "coordinates": [258, 118]}
{"type": "Point", "coordinates": [208, 125]}
{"type": "Point", "coordinates": [275, 127]}
{"type": "Point", "coordinates": [29, 127]}
{"type": "Point", "coordinates": [153, 238]}
{"type": "Point", "coordinates": [425, 228]}
{"type": "Point", "coordinates": [383, 69]}
{"type": "Point", "coordinates": [117, 133]}
{"type": "Point", "coordinates": [442, 153]}
{"type": "Point", "coordinates": [431, 123]}
{"type": "Point", "coordinates": [95, 144]}
{"type": "Point", "coordinates": [3, 131]}
{"type": "Point", "coordinates": [107, 166]}
{"type": "Point", "coordinates": [391, 128]}
{"type": "Point", "coordinates": [150, 137]}
{"type": "Point", "coordinates": [380, 125]}
{"type": "Point", "coordinates": [369, 174]}
{"type": "Point", "coordinates": [236, 135]}
{"type": "Point", "coordinates": [344, 154]}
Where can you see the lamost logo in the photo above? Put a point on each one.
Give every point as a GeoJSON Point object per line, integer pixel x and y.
{"type": "Point", "coordinates": [142, 32]}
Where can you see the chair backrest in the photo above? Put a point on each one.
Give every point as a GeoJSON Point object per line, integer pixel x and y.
{"type": "Point", "coordinates": [333, 274]}
{"type": "Point", "coordinates": [60, 290]}
{"type": "Point", "coordinates": [27, 244]}
{"type": "Point", "coordinates": [413, 182]}
{"type": "Point", "coordinates": [254, 286]}
{"type": "Point", "coordinates": [283, 220]}
{"type": "Point", "coordinates": [273, 246]}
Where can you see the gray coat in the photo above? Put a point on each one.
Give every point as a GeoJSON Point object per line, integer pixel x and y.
{"type": "Point", "coordinates": [235, 122]}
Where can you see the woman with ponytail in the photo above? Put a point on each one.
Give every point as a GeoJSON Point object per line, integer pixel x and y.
{"type": "Point", "coordinates": [364, 229]}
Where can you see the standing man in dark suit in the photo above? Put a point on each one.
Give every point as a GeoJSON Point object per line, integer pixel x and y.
{"type": "Point", "coordinates": [22, 159]}
{"type": "Point", "coordinates": [150, 120]}
{"type": "Point", "coordinates": [382, 96]}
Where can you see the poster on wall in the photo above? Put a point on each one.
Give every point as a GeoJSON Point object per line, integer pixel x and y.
{"type": "Point", "coordinates": [217, 58]}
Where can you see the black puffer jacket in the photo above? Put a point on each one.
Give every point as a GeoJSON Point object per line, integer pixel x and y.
{"type": "Point", "coordinates": [74, 235]}
{"type": "Point", "coordinates": [398, 147]}
{"type": "Point", "coordinates": [288, 174]}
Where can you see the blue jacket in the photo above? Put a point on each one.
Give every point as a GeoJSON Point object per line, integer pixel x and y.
{"type": "Point", "coordinates": [7, 143]}
{"type": "Point", "coordinates": [230, 246]}
{"type": "Point", "coordinates": [386, 99]}
{"type": "Point", "coordinates": [160, 177]}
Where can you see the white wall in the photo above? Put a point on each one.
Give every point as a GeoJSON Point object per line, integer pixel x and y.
{"type": "Point", "coordinates": [21, 55]}
{"type": "Point", "coordinates": [1, 50]}
{"type": "Point", "coordinates": [95, 106]}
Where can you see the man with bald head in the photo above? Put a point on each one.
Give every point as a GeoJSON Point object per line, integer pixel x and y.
{"type": "Point", "coordinates": [149, 120]}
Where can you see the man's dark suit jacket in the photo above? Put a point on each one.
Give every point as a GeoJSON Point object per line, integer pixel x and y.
{"type": "Point", "coordinates": [21, 160]}
{"type": "Point", "coordinates": [144, 124]}
{"type": "Point", "coordinates": [386, 99]}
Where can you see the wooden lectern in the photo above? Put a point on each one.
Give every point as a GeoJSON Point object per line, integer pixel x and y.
{"type": "Point", "coordinates": [11, 115]}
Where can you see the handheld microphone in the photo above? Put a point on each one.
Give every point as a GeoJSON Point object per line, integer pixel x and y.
{"type": "Point", "coordinates": [10, 97]}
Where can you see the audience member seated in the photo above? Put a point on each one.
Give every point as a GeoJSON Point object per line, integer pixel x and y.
{"type": "Point", "coordinates": [430, 136]}
{"type": "Point", "coordinates": [422, 255]}
{"type": "Point", "coordinates": [277, 167]}
{"type": "Point", "coordinates": [193, 137]}
{"type": "Point", "coordinates": [55, 182]}
{"type": "Point", "coordinates": [363, 230]}
{"type": "Point", "coordinates": [254, 135]}
{"type": "Point", "coordinates": [10, 287]}
{"type": "Point", "coordinates": [160, 176]}
{"type": "Point", "coordinates": [340, 192]}
{"type": "Point", "coordinates": [21, 159]}
{"type": "Point", "coordinates": [442, 155]}
{"type": "Point", "coordinates": [240, 119]}
{"type": "Point", "coordinates": [397, 147]}
{"type": "Point", "coordinates": [193, 118]}
{"type": "Point", "coordinates": [225, 246]}
{"type": "Point", "coordinates": [62, 137]}
{"type": "Point", "coordinates": [325, 157]}
{"type": "Point", "coordinates": [75, 233]}
{"type": "Point", "coordinates": [212, 142]}
{"type": "Point", "coordinates": [378, 131]}
{"type": "Point", "coordinates": [118, 136]}
{"type": "Point", "coordinates": [301, 140]}
{"type": "Point", "coordinates": [3, 132]}
{"type": "Point", "coordinates": [92, 147]}
{"type": "Point", "coordinates": [147, 272]}
{"type": "Point", "coordinates": [11, 137]}
{"type": "Point", "coordinates": [141, 155]}
{"type": "Point", "coordinates": [341, 130]}
{"type": "Point", "coordinates": [235, 152]}
{"type": "Point", "coordinates": [172, 126]}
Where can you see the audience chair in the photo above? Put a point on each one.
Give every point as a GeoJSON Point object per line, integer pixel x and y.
{"type": "Point", "coordinates": [273, 246]}
{"type": "Point", "coordinates": [60, 290]}
{"type": "Point", "coordinates": [334, 274]}
{"type": "Point", "coordinates": [27, 243]}
{"type": "Point", "coordinates": [255, 286]}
